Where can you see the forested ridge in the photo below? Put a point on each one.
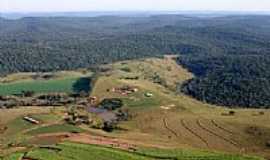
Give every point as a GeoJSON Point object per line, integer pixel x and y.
{"type": "Point", "coordinates": [229, 55]}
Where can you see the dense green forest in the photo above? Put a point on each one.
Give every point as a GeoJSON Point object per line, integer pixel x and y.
{"type": "Point", "coordinates": [229, 55]}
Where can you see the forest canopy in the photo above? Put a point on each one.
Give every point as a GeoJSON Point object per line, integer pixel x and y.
{"type": "Point", "coordinates": [229, 55]}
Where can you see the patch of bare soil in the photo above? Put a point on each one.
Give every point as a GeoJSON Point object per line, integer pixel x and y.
{"type": "Point", "coordinates": [86, 139]}
{"type": "Point", "coordinates": [49, 139]}
{"type": "Point", "coordinates": [100, 140]}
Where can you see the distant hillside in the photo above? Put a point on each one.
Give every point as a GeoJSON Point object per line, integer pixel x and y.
{"type": "Point", "coordinates": [228, 54]}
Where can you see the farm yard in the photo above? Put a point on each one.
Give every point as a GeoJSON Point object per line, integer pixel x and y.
{"type": "Point", "coordinates": [161, 124]}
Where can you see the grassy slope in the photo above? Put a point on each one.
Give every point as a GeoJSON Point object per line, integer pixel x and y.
{"type": "Point", "coordinates": [148, 110]}
{"type": "Point", "coordinates": [84, 152]}
{"type": "Point", "coordinates": [7, 115]}
{"type": "Point", "coordinates": [17, 127]}
{"type": "Point", "coordinates": [55, 129]}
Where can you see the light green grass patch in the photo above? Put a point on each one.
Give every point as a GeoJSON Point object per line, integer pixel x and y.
{"type": "Point", "coordinates": [57, 128]}
{"type": "Point", "coordinates": [38, 86]}
{"type": "Point", "coordinates": [141, 102]}
{"type": "Point", "coordinates": [46, 118]}
{"type": "Point", "coordinates": [13, 134]}
{"type": "Point", "coordinates": [14, 156]}
{"type": "Point", "coordinates": [193, 154]}
{"type": "Point", "coordinates": [72, 151]}
{"type": "Point", "coordinates": [18, 125]}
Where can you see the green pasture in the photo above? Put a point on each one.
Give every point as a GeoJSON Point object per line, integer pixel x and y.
{"type": "Point", "coordinates": [68, 85]}
{"type": "Point", "coordinates": [75, 151]}
{"type": "Point", "coordinates": [14, 156]}
{"type": "Point", "coordinates": [55, 129]}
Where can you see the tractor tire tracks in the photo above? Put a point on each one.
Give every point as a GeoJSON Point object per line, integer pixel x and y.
{"type": "Point", "coordinates": [194, 133]}
{"type": "Point", "coordinates": [168, 128]}
{"type": "Point", "coordinates": [217, 135]}
{"type": "Point", "coordinates": [222, 128]}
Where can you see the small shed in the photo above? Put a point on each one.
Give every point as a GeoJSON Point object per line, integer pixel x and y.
{"type": "Point", "coordinates": [31, 120]}
{"type": "Point", "coordinates": [148, 94]}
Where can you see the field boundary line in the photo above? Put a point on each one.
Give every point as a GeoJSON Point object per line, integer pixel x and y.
{"type": "Point", "coordinates": [215, 134]}
{"type": "Point", "coordinates": [194, 133]}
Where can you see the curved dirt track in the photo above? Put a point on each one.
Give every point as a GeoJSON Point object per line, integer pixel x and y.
{"type": "Point", "coordinates": [165, 123]}
{"type": "Point", "coordinates": [200, 124]}
{"type": "Point", "coordinates": [183, 123]}
{"type": "Point", "coordinates": [216, 124]}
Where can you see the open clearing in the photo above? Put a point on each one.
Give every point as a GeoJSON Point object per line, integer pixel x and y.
{"type": "Point", "coordinates": [59, 82]}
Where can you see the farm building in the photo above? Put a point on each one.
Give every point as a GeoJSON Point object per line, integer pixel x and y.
{"type": "Point", "coordinates": [125, 90]}
{"type": "Point", "coordinates": [92, 99]}
{"type": "Point", "coordinates": [31, 120]}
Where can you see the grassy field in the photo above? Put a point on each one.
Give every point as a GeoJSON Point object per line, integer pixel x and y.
{"type": "Point", "coordinates": [16, 127]}
{"type": "Point", "coordinates": [73, 151]}
{"type": "Point", "coordinates": [59, 82]}
{"type": "Point", "coordinates": [40, 86]}
{"type": "Point", "coordinates": [47, 118]}
{"type": "Point", "coordinates": [7, 115]}
{"type": "Point", "coordinates": [15, 156]}
{"type": "Point", "coordinates": [55, 129]}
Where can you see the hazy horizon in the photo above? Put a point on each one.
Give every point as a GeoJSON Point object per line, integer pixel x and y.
{"type": "Point", "coordinates": [30, 6]}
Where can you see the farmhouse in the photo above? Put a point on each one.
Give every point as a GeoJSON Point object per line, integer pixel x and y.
{"type": "Point", "coordinates": [125, 90]}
